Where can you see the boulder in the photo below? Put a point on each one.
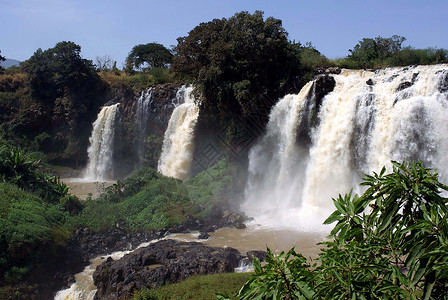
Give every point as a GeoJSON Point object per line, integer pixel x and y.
{"type": "Point", "coordinates": [159, 263]}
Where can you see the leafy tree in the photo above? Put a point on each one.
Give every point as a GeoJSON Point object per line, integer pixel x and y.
{"type": "Point", "coordinates": [237, 63]}
{"type": "Point", "coordinates": [60, 70]}
{"type": "Point", "coordinates": [389, 243]}
{"type": "Point", "coordinates": [70, 91]}
{"type": "Point", "coordinates": [152, 55]}
{"type": "Point", "coordinates": [369, 50]}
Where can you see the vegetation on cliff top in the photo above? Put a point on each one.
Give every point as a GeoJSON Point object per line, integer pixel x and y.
{"type": "Point", "coordinates": [236, 63]}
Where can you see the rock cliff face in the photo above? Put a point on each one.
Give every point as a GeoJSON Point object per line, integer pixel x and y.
{"type": "Point", "coordinates": [130, 139]}
{"type": "Point", "coordinates": [159, 263]}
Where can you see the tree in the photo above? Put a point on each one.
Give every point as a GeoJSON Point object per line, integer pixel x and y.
{"type": "Point", "coordinates": [70, 91]}
{"type": "Point", "coordinates": [152, 55]}
{"type": "Point", "coordinates": [369, 50]}
{"type": "Point", "coordinates": [236, 63]}
{"type": "Point", "coordinates": [58, 71]}
{"type": "Point", "coordinates": [104, 63]}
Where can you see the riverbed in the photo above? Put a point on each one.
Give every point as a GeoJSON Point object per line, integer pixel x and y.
{"type": "Point", "coordinates": [254, 237]}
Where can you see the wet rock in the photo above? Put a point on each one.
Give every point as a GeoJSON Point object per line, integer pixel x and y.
{"type": "Point", "coordinates": [333, 70]}
{"type": "Point", "coordinates": [261, 255]}
{"type": "Point", "coordinates": [322, 86]}
{"type": "Point", "coordinates": [161, 262]}
{"type": "Point", "coordinates": [203, 236]}
{"type": "Point", "coordinates": [404, 85]}
{"type": "Point", "coordinates": [330, 70]}
{"type": "Point", "coordinates": [443, 83]}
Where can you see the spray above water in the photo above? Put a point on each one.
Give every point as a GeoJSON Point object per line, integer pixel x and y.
{"type": "Point", "coordinates": [178, 143]}
{"type": "Point", "coordinates": [369, 119]}
{"type": "Point", "coordinates": [100, 151]}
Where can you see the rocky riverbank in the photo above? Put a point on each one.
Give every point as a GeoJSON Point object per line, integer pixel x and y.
{"type": "Point", "coordinates": [57, 271]}
{"type": "Point", "coordinates": [159, 263]}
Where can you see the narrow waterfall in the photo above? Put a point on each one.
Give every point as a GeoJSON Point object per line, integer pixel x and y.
{"type": "Point", "coordinates": [178, 146]}
{"type": "Point", "coordinates": [143, 104]}
{"type": "Point", "coordinates": [369, 119]}
{"type": "Point", "coordinates": [100, 151]}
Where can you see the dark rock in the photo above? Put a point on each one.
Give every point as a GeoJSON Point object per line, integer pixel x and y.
{"type": "Point", "coordinates": [203, 236]}
{"type": "Point", "coordinates": [370, 82]}
{"type": "Point", "coordinates": [443, 83]}
{"type": "Point", "coordinates": [161, 262]}
{"type": "Point", "coordinates": [261, 255]}
{"type": "Point", "coordinates": [333, 70]}
{"type": "Point", "coordinates": [404, 85]}
{"type": "Point", "coordinates": [322, 86]}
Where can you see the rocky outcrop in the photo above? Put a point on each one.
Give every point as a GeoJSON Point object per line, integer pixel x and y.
{"type": "Point", "coordinates": [129, 139]}
{"type": "Point", "coordinates": [159, 263]}
{"type": "Point", "coordinates": [322, 85]}
{"type": "Point", "coordinates": [443, 84]}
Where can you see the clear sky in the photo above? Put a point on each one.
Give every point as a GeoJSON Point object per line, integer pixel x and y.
{"type": "Point", "coordinates": [113, 27]}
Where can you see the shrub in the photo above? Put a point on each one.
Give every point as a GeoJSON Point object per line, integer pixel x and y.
{"type": "Point", "coordinates": [389, 243]}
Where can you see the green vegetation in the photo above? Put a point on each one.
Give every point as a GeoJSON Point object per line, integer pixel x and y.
{"type": "Point", "coordinates": [388, 52]}
{"type": "Point", "coordinates": [148, 56]}
{"type": "Point", "coordinates": [197, 287]}
{"type": "Point", "coordinates": [389, 243]}
{"type": "Point", "coordinates": [38, 215]}
{"type": "Point", "coordinates": [34, 207]}
{"type": "Point", "coordinates": [59, 71]}
{"type": "Point", "coordinates": [236, 63]}
{"type": "Point", "coordinates": [148, 200]}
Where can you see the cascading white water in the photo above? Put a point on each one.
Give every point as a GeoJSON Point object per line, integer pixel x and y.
{"type": "Point", "coordinates": [100, 151]}
{"type": "Point", "coordinates": [277, 162]}
{"type": "Point", "coordinates": [143, 104]}
{"type": "Point", "coordinates": [368, 120]}
{"type": "Point", "coordinates": [178, 143]}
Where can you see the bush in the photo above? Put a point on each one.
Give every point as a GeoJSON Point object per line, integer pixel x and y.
{"type": "Point", "coordinates": [389, 243]}
{"type": "Point", "coordinates": [26, 224]}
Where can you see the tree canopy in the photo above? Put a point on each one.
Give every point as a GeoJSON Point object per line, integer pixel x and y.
{"type": "Point", "coordinates": [236, 62]}
{"type": "Point", "coordinates": [368, 50]}
{"type": "Point", "coordinates": [59, 70]}
{"type": "Point", "coordinates": [152, 55]}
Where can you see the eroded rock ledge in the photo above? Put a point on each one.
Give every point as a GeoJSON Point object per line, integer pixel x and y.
{"type": "Point", "coordinates": [159, 263]}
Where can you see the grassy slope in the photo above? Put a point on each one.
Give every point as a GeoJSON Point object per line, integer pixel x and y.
{"type": "Point", "coordinates": [198, 287]}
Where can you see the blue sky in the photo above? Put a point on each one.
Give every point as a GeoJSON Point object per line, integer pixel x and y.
{"type": "Point", "coordinates": [112, 27]}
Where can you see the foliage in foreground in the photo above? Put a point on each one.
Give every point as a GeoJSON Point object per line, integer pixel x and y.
{"type": "Point", "coordinates": [34, 207]}
{"type": "Point", "coordinates": [389, 243]}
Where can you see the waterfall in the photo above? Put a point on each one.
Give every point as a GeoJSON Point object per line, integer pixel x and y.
{"type": "Point", "coordinates": [100, 151]}
{"type": "Point", "coordinates": [143, 104]}
{"type": "Point", "coordinates": [178, 146]}
{"type": "Point", "coordinates": [369, 119]}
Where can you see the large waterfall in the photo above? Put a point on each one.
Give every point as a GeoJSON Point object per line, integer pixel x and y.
{"type": "Point", "coordinates": [100, 151]}
{"type": "Point", "coordinates": [368, 120]}
{"type": "Point", "coordinates": [178, 146]}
